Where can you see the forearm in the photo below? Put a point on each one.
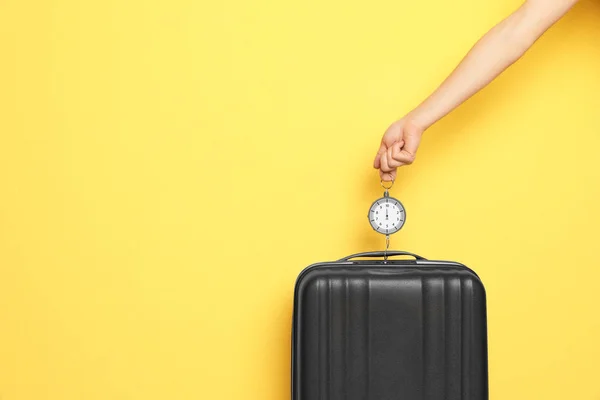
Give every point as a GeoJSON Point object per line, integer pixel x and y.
{"type": "Point", "coordinates": [492, 54]}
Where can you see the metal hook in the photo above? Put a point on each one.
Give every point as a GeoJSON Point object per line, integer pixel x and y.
{"type": "Point", "coordinates": [387, 246]}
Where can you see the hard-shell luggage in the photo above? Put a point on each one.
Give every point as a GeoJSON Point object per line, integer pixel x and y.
{"type": "Point", "coordinates": [389, 330]}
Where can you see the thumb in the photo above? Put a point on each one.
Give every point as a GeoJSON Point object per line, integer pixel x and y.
{"type": "Point", "coordinates": [388, 176]}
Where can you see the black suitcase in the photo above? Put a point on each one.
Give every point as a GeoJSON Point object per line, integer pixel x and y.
{"type": "Point", "coordinates": [389, 330]}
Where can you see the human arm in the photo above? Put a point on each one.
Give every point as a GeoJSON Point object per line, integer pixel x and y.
{"type": "Point", "coordinates": [498, 49]}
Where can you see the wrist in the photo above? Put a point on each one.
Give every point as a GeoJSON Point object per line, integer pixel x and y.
{"type": "Point", "coordinates": [417, 121]}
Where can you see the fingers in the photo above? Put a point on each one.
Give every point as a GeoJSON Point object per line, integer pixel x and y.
{"type": "Point", "coordinates": [401, 156]}
{"type": "Point", "coordinates": [387, 176]}
{"type": "Point", "coordinates": [406, 154]}
{"type": "Point", "coordinates": [392, 153]}
{"type": "Point", "coordinates": [398, 147]}
{"type": "Point", "coordinates": [386, 159]}
{"type": "Point", "coordinates": [412, 139]}
{"type": "Point", "coordinates": [387, 163]}
{"type": "Point", "coordinates": [383, 163]}
{"type": "Point", "coordinates": [380, 152]}
{"type": "Point", "coordinates": [394, 157]}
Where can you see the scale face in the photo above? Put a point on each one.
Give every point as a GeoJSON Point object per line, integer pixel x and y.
{"type": "Point", "coordinates": [387, 215]}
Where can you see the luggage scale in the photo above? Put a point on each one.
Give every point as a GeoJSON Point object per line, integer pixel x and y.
{"type": "Point", "coordinates": [387, 215]}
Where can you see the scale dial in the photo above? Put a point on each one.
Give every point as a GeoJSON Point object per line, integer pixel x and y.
{"type": "Point", "coordinates": [387, 215]}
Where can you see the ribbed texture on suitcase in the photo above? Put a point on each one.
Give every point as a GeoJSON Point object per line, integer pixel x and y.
{"type": "Point", "coordinates": [380, 334]}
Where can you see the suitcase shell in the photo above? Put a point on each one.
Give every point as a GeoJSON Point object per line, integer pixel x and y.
{"type": "Point", "coordinates": [389, 330]}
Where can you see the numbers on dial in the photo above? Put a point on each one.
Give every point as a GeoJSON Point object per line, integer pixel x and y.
{"type": "Point", "coordinates": [387, 215]}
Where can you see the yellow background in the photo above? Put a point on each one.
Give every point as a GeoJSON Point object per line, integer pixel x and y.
{"type": "Point", "coordinates": [168, 168]}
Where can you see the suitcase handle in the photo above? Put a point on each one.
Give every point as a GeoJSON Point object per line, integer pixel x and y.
{"type": "Point", "coordinates": [382, 254]}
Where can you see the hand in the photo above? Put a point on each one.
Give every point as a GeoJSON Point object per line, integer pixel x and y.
{"type": "Point", "coordinates": [398, 147]}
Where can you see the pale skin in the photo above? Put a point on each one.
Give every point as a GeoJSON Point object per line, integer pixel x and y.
{"type": "Point", "coordinates": [497, 50]}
